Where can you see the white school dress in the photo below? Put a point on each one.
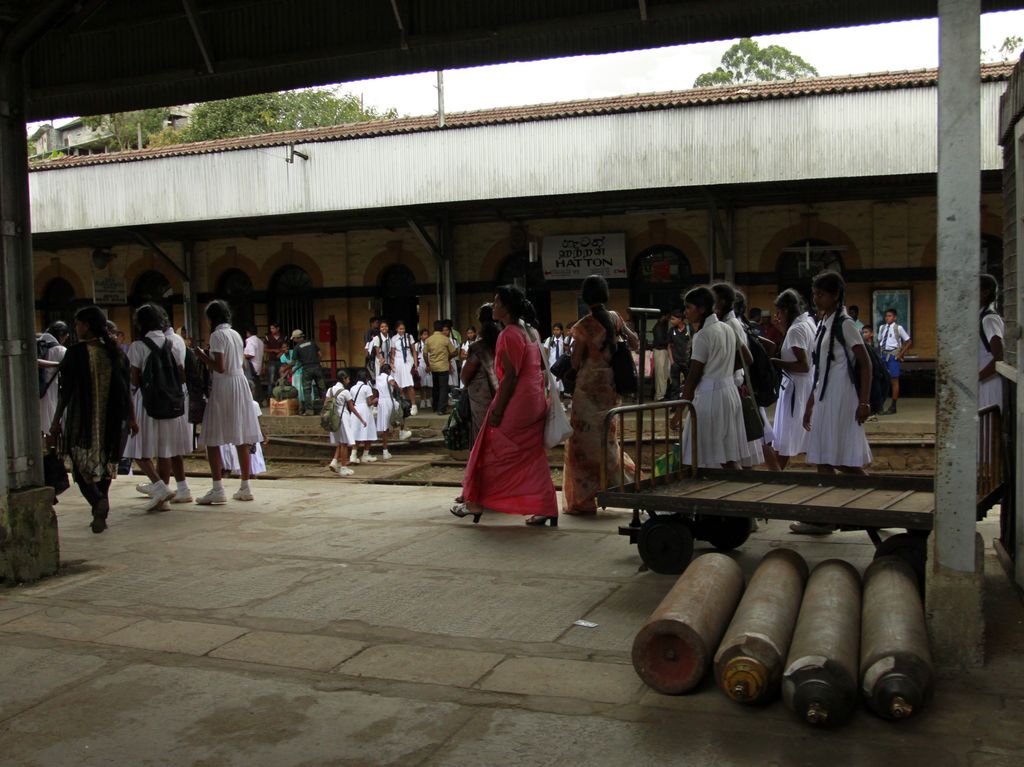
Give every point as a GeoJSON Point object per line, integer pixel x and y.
{"type": "Point", "coordinates": [257, 463]}
{"type": "Point", "coordinates": [555, 348]}
{"type": "Point", "coordinates": [401, 367]}
{"type": "Point", "coordinates": [48, 402]}
{"type": "Point", "coordinates": [229, 418]}
{"type": "Point", "coordinates": [453, 367]}
{"type": "Point", "coordinates": [753, 453]}
{"type": "Point", "coordinates": [385, 403]}
{"type": "Point", "coordinates": [340, 396]}
{"type": "Point", "coordinates": [426, 379]}
{"type": "Point", "coordinates": [990, 391]}
{"type": "Point", "coordinates": [186, 434]}
{"type": "Point", "coordinates": [836, 439]}
{"type": "Point", "coordinates": [381, 344]}
{"type": "Point", "coordinates": [157, 438]}
{"type": "Point", "coordinates": [790, 435]}
{"type": "Point", "coordinates": [357, 432]}
{"type": "Point", "coordinates": [721, 437]}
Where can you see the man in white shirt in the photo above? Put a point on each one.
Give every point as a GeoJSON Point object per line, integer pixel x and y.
{"type": "Point", "coordinates": [254, 353]}
{"type": "Point", "coordinates": [893, 344]}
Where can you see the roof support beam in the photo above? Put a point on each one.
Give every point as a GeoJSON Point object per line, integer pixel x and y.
{"type": "Point", "coordinates": [643, 10]}
{"type": "Point", "coordinates": [401, 25]}
{"type": "Point", "coordinates": [197, 32]}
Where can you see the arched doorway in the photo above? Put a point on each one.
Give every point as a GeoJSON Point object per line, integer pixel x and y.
{"type": "Point", "coordinates": [992, 258]}
{"type": "Point", "coordinates": [398, 298]}
{"type": "Point", "coordinates": [235, 287]}
{"type": "Point", "coordinates": [660, 275]}
{"type": "Point", "coordinates": [803, 260]}
{"type": "Point", "coordinates": [153, 288]}
{"type": "Point", "coordinates": [290, 301]}
{"type": "Point", "coordinates": [517, 270]}
{"type": "Point", "coordinates": [58, 302]}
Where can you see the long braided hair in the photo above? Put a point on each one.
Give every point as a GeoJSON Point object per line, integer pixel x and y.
{"type": "Point", "coordinates": [832, 283]}
{"type": "Point", "coordinates": [94, 318]}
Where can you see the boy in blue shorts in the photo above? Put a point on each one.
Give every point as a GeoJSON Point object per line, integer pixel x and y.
{"type": "Point", "coordinates": [893, 344]}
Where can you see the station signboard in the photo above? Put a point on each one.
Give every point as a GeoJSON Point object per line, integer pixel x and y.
{"type": "Point", "coordinates": [575, 256]}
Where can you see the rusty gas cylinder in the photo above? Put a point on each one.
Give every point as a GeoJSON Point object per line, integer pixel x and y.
{"type": "Point", "coordinates": [820, 680]}
{"type": "Point", "coordinates": [673, 650]}
{"type": "Point", "coordinates": [751, 658]}
{"type": "Point", "coordinates": [895, 658]}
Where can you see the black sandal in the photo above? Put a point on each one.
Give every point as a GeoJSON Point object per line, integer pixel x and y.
{"type": "Point", "coordinates": [539, 521]}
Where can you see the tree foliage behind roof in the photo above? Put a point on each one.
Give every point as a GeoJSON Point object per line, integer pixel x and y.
{"type": "Point", "coordinates": [748, 62]}
{"type": "Point", "coordinates": [273, 112]}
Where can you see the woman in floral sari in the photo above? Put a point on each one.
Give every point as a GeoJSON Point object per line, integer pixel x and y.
{"type": "Point", "coordinates": [508, 468]}
{"type": "Point", "coordinates": [94, 408]}
{"type": "Point", "coordinates": [594, 341]}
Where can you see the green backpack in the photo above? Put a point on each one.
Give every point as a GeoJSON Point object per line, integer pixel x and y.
{"type": "Point", "coordinates": [458, 432]}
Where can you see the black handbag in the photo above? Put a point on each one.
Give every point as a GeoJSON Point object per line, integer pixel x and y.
{"type": "Point", "coordinates": [624, 369]}
{"type": "Point", "coordinates": [565, 372]}
{"type": "Point", "coordinates": [54, 473]}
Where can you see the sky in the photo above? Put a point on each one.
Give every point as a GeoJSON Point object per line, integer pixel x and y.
{"type": "Point", "coordinates": [852, 50]}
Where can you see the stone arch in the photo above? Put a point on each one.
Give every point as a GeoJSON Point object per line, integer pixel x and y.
{"type": "Point", "coordinates": [991, 224]}
{"type": "Point", "coordinates": [288, 256]}
{"type": "Point", "coordinates": [492, 263]}
{"type": "Point", "coordinates": [150, 262]}
{"type": "Point", "coordinates": [232, 259]}
{"type": "Point", "coordinates": [659, 234]}
{"type": "Point", "coordinates": [56, 271]}
{"type": "Point", "coordinates": [395, 253]}
{"type": "Point", "coordinates": [810, 228]}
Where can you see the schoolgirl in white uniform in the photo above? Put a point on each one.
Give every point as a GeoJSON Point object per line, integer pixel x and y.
{"type": "Point", "coordinates": [380, 348]}
{"type": "Point", "coordinates": [362, 431]}
{"type": "Point", "coordinates": [794, 362]}
{"type": "Point", "coordinates": [711, 386]}
{"type": "Point", "coordinates": [257, 462]}
{"type": "Point", "coordinates": [340, 398]}
{"type": "Point", "coordinates": [56, 335]}
{"type": "Point", "coordinates": [229, 418]}
{"type": "Point", "coordinates": [837, 409]}
{"type": "Point", "coordinates": [160, 438]}
{"type": "Point", "coordinates": [992, 330]}
{"type": "Point", "coordinates": [423, 368]}
{"type": "Point", "coordinates": [403, 362]}
{"type": "Point", "coordinates": [386, 387]}
{"type": "Point", "coordinates": [556, 345]}
{"type": "Point", "coordinates": [725, 299]}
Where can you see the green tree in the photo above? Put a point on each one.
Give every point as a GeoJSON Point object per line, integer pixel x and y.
{"type": "Point", "coordinates": [123, 127]}
{"type": "Point", "coordinates": [1006, 52]}
{"type": "Point", "coordinates": [272, 112]}
{"type": "Point", "coordinates": [748, 62]}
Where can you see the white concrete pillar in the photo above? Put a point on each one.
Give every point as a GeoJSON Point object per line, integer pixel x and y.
{"type": "Point", "coordinates": [954, 583]}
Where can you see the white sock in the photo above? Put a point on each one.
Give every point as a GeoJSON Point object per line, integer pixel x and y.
{"type": "Point", "coordinates": [218, 486]}
{"type": "Point", "coordinates": [244, 485]}
{"type": "Point", "coordinates": [334, 462]}
{"type": "Point", "coordinates": [159, 487]}
{"type": "Point", "coordinates": [182, 487]}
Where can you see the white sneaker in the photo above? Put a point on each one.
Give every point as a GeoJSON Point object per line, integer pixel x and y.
{"type": "Point", "coordinates": [354, 459]}
{"type": "Point", "coordinates": [386, 455]}
{"type": "Point", "coordinates": [369, 458]}
{"type": "Point", "coordinates": [180, 497]}
{"type": "Point", "coordinates": [345, 471]}
{"type": "Point", "coordinates": [158, 498]}
{"type": "Point", "coordinates": [213, 498]}
{"type": "Point", "coordinates": [415, 410]}
{"type": "Point", "coordinates": [146, 488]}
{"type": "Point", "coordinates": [333, 465]}
{"type": "Point", "coordinates": [243, 495]}
{"type": "Point", "coordinates": [404, 434]}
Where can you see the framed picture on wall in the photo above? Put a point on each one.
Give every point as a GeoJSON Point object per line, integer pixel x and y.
{"type": "Point", "coordinates": [892, 298]}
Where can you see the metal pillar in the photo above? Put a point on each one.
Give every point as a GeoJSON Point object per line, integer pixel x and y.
{"type": "Point", "coordinates": [954, 580]}
{"type": "Point", "coordinates": [19, 419]}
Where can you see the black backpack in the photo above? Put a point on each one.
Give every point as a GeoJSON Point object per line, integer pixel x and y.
{"type": "Point", "coordinates": [161, 383]}
{"type": "Point", "coordinates": [764, 377]}
{"type": "Point", "coordinates": [881, 381]}
{"type": "Point", "coordinates": [42, 348]}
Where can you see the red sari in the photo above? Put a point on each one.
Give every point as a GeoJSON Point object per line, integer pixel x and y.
{"type": "Point", "coordinates": [508, 468]}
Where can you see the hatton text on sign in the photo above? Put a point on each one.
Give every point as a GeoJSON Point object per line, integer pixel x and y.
{"type": "Point", "coordinates": [572, 256]}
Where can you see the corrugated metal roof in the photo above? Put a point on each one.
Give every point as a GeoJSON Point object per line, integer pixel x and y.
{"type": "Point", "coordinates": [820, 86]}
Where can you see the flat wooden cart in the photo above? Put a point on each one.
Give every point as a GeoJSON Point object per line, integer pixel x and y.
{"type": "Point", "coordinates": [674, 504]}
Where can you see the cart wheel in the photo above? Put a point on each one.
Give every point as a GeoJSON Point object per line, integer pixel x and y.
{"type": "Point", "coordinates": [725, 533]}
{"type": "Point", "coordinates": [912, 549]}
{"type": "Point", "coordinates": [665, 545]}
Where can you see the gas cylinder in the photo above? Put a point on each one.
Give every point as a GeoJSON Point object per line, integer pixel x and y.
{"type": "Point", "coordinates": [820, 680]}
{"type": "Point", "coordinates": [673, 650]}
{"type": "Point", "coordinates": [895, 659]}
{"type": "Point", "coordinates": [750, 660]}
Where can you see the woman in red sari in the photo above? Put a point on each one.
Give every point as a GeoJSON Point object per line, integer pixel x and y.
{"type": "Point", "coordinates": [508, 468]}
